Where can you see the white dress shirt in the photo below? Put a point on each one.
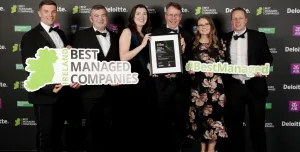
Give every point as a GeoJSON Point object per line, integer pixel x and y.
{"type": "Point", "coordinates": [54, 36]}
{"type": "Point", "coordinates": [104, 41]}
{"type": "Point", "coordinates": [239, 54]}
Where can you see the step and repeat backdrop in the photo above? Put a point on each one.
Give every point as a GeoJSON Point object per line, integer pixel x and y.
{"type": "Point", "coordinates": [280, 20]}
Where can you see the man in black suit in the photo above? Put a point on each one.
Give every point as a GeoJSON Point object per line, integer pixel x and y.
{"type": "Point", "coordinates": [173, 89]}
{"type": "Point", "coordinates": [98, 99]}
{"type": "Point", "coordinates": [51, 100]}
{"type": "Point", "coordinates": [246, 47]}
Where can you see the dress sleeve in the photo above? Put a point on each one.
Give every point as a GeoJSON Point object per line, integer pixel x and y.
{"type": "Point", "coordinates": [221, 51]}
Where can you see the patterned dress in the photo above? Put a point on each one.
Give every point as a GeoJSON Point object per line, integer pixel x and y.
{"type": "Point", "coordinates": [206, 110]}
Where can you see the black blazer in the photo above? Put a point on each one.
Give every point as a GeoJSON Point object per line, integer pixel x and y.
{"type": "Point", "coordinates": [86, 38]}
{"type": "Point", "coordinates": [258, 54]}
{"type": "Point", "coordinates": [162, 81]}
{"type": "Point", "coordinates": [31, 41]}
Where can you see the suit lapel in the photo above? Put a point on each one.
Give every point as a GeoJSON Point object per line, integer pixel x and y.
{"type": "Point", "coordinates": [111, 47]}
{"type": "Point", "coordinates": [250, 45]}
{"type": "Point", "coordinates": [62, 37]}
{"type": "Point", "coordinates": [46, 36]}
{"type": "Point", "coordinates": [228, 43]}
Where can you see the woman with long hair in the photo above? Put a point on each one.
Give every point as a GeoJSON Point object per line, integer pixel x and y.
{"type": "Point", "coordinates": [206, 112]}
{"type": "Point", "coordinates": [133, 45]}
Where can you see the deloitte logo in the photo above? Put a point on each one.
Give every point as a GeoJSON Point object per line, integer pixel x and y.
{"type": "Point", "coordinates": [61, 9]}
{"type": "Point", "coordinates": [291, 87]}
{"type": "Point", "coordinates": [229, 10]}
{"type": "Point", "coordinates": [290, 124]}
{"type": "Point", "coordinates": [116, 9]}
{"type": "Point", "coordinates": [183, 10]}
{"type": "Point", "coordinates": [4, 122]}
{"type": "Point", "coordinates": [2, 47]}
{"type": "Point", "coordinates": [293, 10]}
{"type": "Point", "coordinates": [3, 85]}
{"type": "Point", "coordinates": [292, 49]}
{"type": "Point", "coordinates": [66, 66]}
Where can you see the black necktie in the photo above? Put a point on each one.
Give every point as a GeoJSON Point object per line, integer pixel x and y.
{"type": "Point", "coordinates": [53, 29]}
{"type": "Point", "coordinates": [171, 30]}
{"type": "Point", "coordinates": [239, 36]}
{"type": "Point", "coordinates": [99, 33]}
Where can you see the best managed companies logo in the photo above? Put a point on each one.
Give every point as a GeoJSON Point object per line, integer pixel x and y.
{"type": "Point", "coordinates": [66, 66]}
{"type": "Point", "coordinates": [266, 11]}
{"type": "Point", "coordinates": [21, 9]}
{"type": "Point", "coordinates": [205, 10]}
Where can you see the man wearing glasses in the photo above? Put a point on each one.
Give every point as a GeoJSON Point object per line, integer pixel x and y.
{"type": "Point", "coordinates": [172, 89]}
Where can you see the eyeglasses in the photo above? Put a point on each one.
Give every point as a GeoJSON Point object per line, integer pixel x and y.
{"type": "Point", "coordinates": [173, 15]}
{"type": "Point", "coordinates": [204, 25]}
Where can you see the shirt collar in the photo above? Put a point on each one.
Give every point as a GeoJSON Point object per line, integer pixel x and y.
{"type": "Point", "coordinates": [46, 27]}
{"type": "Point", "coordinates": [235, 33]}
{"type": "Point", "coordinates": [177, 28]}
{"type": "Point", "coordinates": [105, 31]}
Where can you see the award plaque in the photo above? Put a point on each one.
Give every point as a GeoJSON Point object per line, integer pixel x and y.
{"type": "Point", "coordinates": [165, 54]}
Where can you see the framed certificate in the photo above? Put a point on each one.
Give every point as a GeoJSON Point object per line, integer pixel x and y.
{"type": "Point", "coordinates": [165, 54]}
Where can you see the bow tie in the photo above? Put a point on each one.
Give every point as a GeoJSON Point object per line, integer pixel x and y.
{"type": "Point", "coordinates": [53, 29]}
{"type": "Point", "coordinates": [99, 33]}
{"type": "Point", "coordinates": [239, 36]}
{"type": "Point", "coordinates": [171, 30]}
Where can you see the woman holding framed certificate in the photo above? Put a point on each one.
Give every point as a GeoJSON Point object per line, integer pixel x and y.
{"type": "Point", "coordinates": [133, 45]}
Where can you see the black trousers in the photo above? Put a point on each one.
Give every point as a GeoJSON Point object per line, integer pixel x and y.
{"type": "Point", "coordinates": [98, 125]}
{"type": "Point", "coordinates": [172, 116]}
{"type": "Point", "coordinates": [238, 96]}
{"type": "Point", "coordinates": [50, 120]}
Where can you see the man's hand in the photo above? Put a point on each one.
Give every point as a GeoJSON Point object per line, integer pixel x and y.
{"type": "Point", "coordinates": [115, 85]}
{"type": "Point", "coordinates": [75, 85]}
{"type": "Point", "coordinates": [260, 75]}
{"type": "Point", "coordinates": [170, 75]}
{"type": "Point", "coordinates": [57, 88]}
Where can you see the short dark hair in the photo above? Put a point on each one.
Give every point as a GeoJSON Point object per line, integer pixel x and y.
{"type": "Point", "coordinates": [239, 9]}
{"type": "Point", "coordinates": [47, 2]}
{"type": "Point", "coordinates": [98, 7]}
{"type": "Point", "coordinates": [176, 5]}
